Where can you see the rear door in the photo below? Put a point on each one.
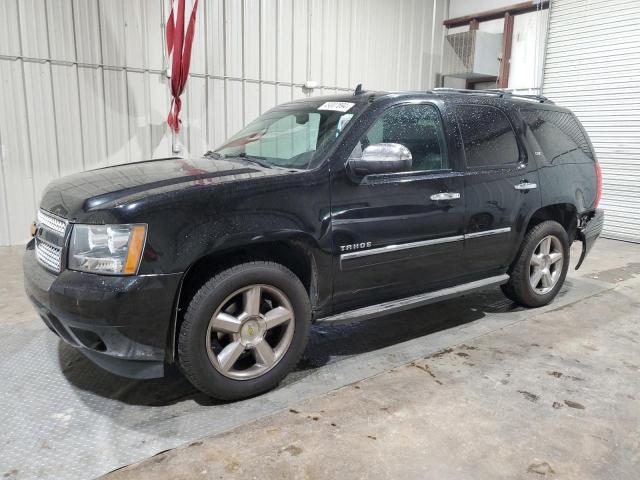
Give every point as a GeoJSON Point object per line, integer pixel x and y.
{"type": "Point", "coordinates": [392, 237]}
{"type": "Point", "coordinates": [501, 186]}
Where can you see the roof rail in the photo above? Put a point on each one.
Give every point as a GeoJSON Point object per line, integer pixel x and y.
{"type": "Point", "coordinates": [529, 96]}
{"type": "Point", "coordinates": [495, 92]}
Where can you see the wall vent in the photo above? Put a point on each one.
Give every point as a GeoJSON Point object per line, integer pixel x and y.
{"type": "Point", "coordinates": [472, 54]}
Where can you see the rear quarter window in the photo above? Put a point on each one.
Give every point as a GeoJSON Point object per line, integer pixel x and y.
{"type": "Point", "coordinates": [488, 137]}
{"type": "Point", "coordinates": [558, 135]}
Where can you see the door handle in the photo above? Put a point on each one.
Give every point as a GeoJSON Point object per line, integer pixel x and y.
{"type": "Point", "coordinates": [445, 196]}
{"type": "Point", "coordinates": [524, 185]}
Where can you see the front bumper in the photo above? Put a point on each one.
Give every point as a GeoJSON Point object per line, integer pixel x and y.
{"type": "Point", "coordinates": [120, 323]}
{"type": "Point", "coordinates": [589, 231]}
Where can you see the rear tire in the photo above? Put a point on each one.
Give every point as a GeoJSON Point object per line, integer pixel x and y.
{"type": "Point", "coordinates": [539, 271]}
{"type": "Point", "coordinates": [244, 330]}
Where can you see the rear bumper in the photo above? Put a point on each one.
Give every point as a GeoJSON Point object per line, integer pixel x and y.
{"type": "Point", "coordinates": [589, 231]}
{"type": "Point", "coordinates": [120, 323]}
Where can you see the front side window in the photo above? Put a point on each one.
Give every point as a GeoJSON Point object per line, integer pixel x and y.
{"type": "Point", "coordinates": [487, 136]}
{"type": "Point", "coordinates": [417, 127]}
{"type": "Point", "coordinates": [291, 136]}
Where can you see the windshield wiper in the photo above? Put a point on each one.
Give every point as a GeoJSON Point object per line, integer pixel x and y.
{"type": "Point", "coordinates": [257, 160]}
{"type": "Point", "coordinates": [213, 154]}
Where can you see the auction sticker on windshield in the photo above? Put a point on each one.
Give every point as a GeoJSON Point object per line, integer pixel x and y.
{"type": "Point", "coordinates": [337, 106]}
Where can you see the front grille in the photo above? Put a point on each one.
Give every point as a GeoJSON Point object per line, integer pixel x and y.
{"type": "Point", "coordinates": [52, 223]}
{"type": "Point", "coordinates": [49, 255]}
{"type": "Point", "coordinates": [50, 239]}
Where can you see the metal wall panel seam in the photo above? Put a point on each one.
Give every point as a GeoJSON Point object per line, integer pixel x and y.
{"type": "Point", "coordinates": [398, 50]}
{"type": "Point", "coordinates": [5, 202]}
{"type": "Point", "coordinates": [75, 53]}
{"type": "Point", "coordinates": [126, 83]}
{"type": "Point", "coordinates": [244, 91]}
{"type": "Point", "coordinates": [444, 33]}
{"type": "Point", "coordinates": [28, 142]}
{"type": "Point", "coordinates": [53, 99]}
{"type": "Point", "coordinates": [309, 41]}
{"type": "Point", "coordinates": [276, 42]}
{"type": "Point", "coordinates": [421, 60]}
{"type": "Point", "coordinates": [260, 55]}
{"type": "Point", "coordinates": [335, 52]}
{"type": "Point", "coordinates": [351, 20]}
{"type": "Point", "coordinates": [207, 120]}
{"type": "Point", "coordinates": [433, 42]}
{"type": "Point", "coordinates": [224, 64]}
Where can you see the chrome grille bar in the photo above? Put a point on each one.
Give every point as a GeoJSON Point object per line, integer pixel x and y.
{"type": "Point", "coordinates": [48, 255]}
{"type": "Point", "coordinates": [52, 222]}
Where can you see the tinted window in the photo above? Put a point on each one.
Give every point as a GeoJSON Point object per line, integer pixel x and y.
{"type": "Point", "coordinates": [418, 128]}
{"type": "Point", "coordinates": [487, 136]}
{"type": "Point", "coordinates": [559, 135]}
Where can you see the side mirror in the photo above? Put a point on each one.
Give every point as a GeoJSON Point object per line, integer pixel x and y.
{"type": "Point", "coordinates": [382, 158]}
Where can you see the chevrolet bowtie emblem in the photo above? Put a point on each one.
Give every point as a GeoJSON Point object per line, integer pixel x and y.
{"type": "Point", "coordinates": [250, 330]}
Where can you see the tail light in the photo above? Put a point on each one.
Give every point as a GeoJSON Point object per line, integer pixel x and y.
{"type": "Point", "coordinates": [598, 184]}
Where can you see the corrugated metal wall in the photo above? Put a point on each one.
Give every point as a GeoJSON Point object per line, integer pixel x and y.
{"type": "Point", "coordinates": [593, 67]}
{"type": "Point", "coordinates": [82, 83]}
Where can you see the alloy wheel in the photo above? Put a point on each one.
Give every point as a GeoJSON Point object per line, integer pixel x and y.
{"type": "Point", "coordinates": [545, 266]}
{"type": "Point", "coordinates": [250, 332]}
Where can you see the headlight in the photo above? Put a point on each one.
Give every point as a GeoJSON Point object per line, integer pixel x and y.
{"type": "Point", "coordinates": [107, 249]}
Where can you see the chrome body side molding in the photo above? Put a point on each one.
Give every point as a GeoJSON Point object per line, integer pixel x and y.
{"type": "Point", "coordinates": [400, 246]}
{"type": "Point", "coordinates": [485, 233]}
{"type": "Point", "coordinates": [423, 243]}
{"type": "Point", "coordinates": [415, 301]}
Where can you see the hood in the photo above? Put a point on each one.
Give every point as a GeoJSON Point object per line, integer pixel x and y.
{"type": "Point", "coordinates": [111, 186]}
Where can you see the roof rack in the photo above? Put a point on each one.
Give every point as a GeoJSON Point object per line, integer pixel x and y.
{"type": "Point", "coordinates": [495, 92]}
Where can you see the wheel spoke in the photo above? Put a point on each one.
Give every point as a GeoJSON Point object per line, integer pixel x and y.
{"type": "Point", "coordinates": [264, 353]}
{"type": "Point", "coordinates": [226, 323]}
{"type": "Point", "coordinates": [251, 300]}
{"type": "Point", "coordinates": [546, 279]}
{"type": "Point", "coordinates": [535, 278]}
{"type": "Point", "coordinates": [276, 317]}
{"type": "Point", "coordinates": [536, 260]}
{"type": "Point", "coordinates": [555, 256]}
{"type": "Point", "coordinates": [545, 246]}
{"type": "Point", "coordinates": [229, 355]}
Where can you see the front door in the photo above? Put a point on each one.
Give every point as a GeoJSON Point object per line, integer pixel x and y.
{"type": "Point", "coordinates": [398, 234]}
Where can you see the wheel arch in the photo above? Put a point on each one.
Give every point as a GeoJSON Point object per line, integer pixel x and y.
{"type": "Point", "coordinates": [566, 214]}
{"type": "Point", "coordinates": [297, 253]}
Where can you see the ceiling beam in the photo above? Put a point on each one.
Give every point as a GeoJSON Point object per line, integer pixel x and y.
{"type": "Point", "coordinates": [515, 9]}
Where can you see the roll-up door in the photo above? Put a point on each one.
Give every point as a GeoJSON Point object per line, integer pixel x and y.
{"type": "Point", "coordinates": [592, 66]}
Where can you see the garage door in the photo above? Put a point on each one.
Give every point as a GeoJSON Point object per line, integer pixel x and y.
{"type": "Point", "coordinates": [592, 66]}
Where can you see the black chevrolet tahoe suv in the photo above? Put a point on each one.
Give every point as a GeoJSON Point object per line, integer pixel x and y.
{"type": "Point", "coordinates": [325, 209]}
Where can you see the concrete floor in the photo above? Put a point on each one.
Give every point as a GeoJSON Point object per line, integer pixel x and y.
{"type": "Point", "coordinates": [480, 390]}
{"type": "Point", "coordinates": [555, 396]}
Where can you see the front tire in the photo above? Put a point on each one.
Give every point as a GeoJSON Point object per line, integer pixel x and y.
{"type": "Point", "coordinates": [244, 330]}
{"type": "Point", "coordinates": [539, 272]}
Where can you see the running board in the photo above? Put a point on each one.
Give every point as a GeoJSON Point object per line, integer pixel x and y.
{"type": "Point", "coordinates": [408, 303]}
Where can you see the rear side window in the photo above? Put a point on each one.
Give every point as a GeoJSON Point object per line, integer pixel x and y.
{"type": "Point", "coordinates": [487, 136]}
{"type": "Point", "coordinates": [559, 136]}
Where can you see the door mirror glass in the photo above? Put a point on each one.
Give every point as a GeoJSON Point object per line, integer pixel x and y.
{"type": "Point", "coordinates": [381, 158]}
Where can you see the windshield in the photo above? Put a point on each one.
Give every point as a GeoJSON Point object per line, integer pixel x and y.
{"type": "Point", "coordinates": [291, 136]}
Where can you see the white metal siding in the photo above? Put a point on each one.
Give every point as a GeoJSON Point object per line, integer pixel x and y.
{"type": "Point", "coordinates": [592, 66]}
{"type": "Point", "coordinates": [81, 82]}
